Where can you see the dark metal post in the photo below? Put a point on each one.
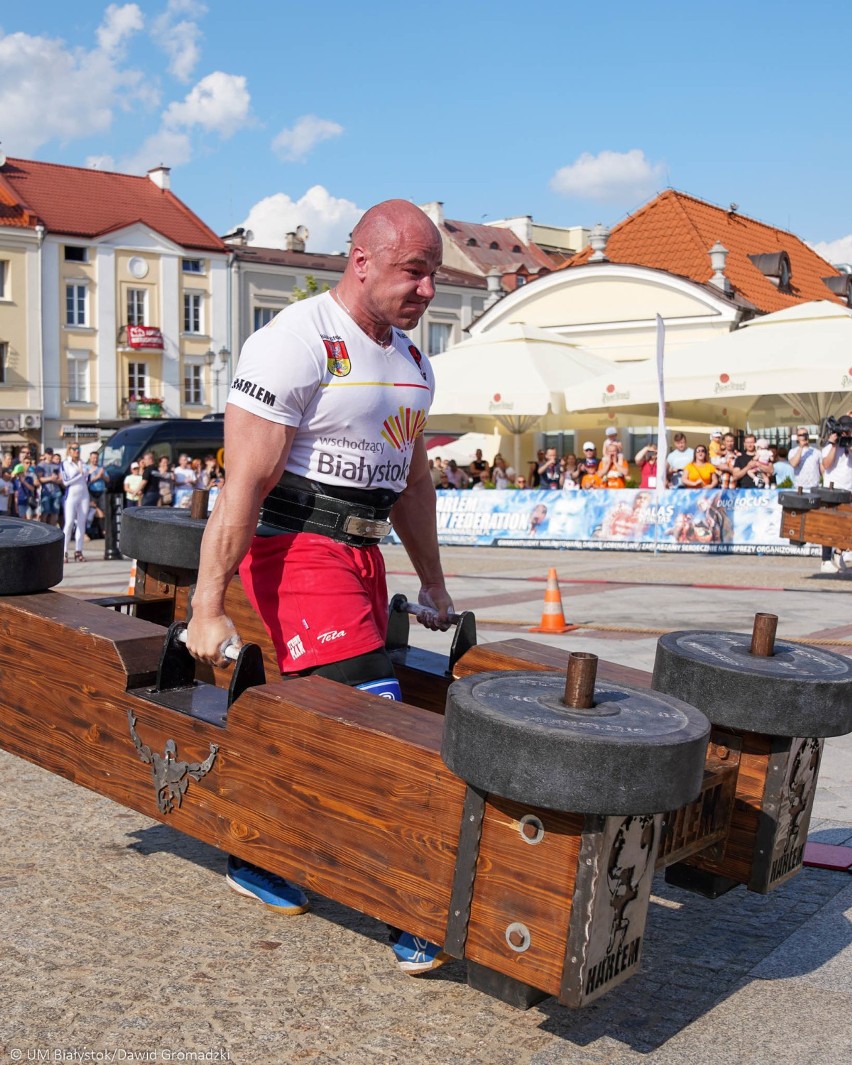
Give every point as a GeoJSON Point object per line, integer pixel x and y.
{"type": "Point", "coordinates": [580, 680]}
{"type": "Point", "coordinates": [113, 506]}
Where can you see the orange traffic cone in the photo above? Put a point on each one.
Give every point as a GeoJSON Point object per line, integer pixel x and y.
{"type": "Point", "coordinates": [553, 616]}
{"type": "Point", "coordinates": [131, 587]}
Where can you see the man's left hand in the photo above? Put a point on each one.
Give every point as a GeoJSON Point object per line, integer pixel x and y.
{"type": "Point", "coordinates": [436, 599]}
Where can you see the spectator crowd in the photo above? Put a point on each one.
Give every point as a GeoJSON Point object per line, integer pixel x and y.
{"type": "Point", "coordinates": [716, 464]}
{"type": "Point", "coordinates": [63, 490]}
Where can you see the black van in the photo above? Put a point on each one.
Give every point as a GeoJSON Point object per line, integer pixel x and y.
{"type": "Point", "coordinates": [170, 437]}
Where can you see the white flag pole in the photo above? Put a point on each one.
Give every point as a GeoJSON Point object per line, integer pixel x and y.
{"type": "Point", "coordinates": [662, 447]}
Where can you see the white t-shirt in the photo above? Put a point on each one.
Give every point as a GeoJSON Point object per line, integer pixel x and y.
{"type": "Point", "coordinates": [840, 474]}
{"type": "Point", "coordinates": [358, 407]}
{"type": "Point", "coordinates": [807, 473]}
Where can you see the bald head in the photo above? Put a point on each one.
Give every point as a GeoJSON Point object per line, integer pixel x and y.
{"type": "Point", "coordinates": [391, 221]}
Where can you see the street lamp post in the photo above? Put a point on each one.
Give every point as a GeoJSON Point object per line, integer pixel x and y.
{"type": "Point", "coordinates": [217, 363]}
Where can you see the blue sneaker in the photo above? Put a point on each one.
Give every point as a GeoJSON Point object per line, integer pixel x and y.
{"type": "Point", "coordinates": [415, 955]}
{"type": "Point", "coordinates": [272, 890]}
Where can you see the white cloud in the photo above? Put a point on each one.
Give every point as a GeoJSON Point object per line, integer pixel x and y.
{"type": "Point", "coordinates": [329, 219]}
{"type": "Point", "coordinates": [218, 103]}
{"type": "Point", "coordinates": [119, 24]}
{"type": "Point", "coordinates": [294, 144]}
{"type": "Point", "coordinates": [99, 162]}
{"type": "Point", "coordinates": [167, 147]}
{"type": "Point", "coordinates": [180, 37]}
{"type": "Point", "coordinates": [835, 251]}
{"type": "Point", "coordinates": [609, 176]}
{"type": "Point", "coordinates": [49, 90]}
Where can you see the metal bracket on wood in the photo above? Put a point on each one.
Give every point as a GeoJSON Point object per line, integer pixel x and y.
{"type": "Point", "coordinates": [461, 896]}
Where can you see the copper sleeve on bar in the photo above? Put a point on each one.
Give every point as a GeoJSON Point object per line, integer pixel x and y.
{"type": "Point", "coordinates": [580, 680]}
{"type": "Point", "coordinates": [763, 635]}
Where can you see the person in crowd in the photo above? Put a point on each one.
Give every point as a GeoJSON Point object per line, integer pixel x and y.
{"type": "Point", "coordinates": [435, 471]}
{"type": "Point", "coordinates": [457, 475]}
{"type": "Point", "coordinates": [570, 473]}
{"type": "Point", "coordinates": [483, 481]}
{"type": "Point", "coordinates": [49, 475]}
{"type": "Point", "coordinates": [726, 461]}
{"type": "Point", "coordinates": [150, 480]}
{"type": "Point", "coordinates": [185, 480]}
{"type": "Point", "coordinates": [613, 470]}
{"type": "Point", "coordinates": [532, 476]}
{"type": "Point", "coordinates": [500, 472]}
{"type": "Point", "coordinates": [76, 483]}
{"type": "Point", "coordinates": [549, 474]}
{"type": "Point", "coordinates": [646, 460]}
{"type": "Point", "coordinates": [133, 486]}
{"type": "Point", "coordinates": [477, 466]}
{"type": "Point", "coordinates": [749, 471]}
{"type": "Point", "coordinates": [805, 460]}
{"type": "Point", "coordinates": [165, 477]}
{"type": "Point", "coordinates": [521, 482]}
{"type": "Point", "coordinates": [784, 472]}
{"type": "Point", "coordinates": [836, 466]}
{"type": "Point", "coordinates": [715, 448]}
{"type": "Point", "coordinates": [445, 482]}
{"type": "Point", "coordinates": [677, 460]}
{"type": "Point", "coordinates": [700, 473]}
{"type": "Point", "coordinates": [207, 471]}
{"type": "Point", "coordinates": [7, 491]}
{"type": "Point", "coordinates": [97, 479]}
{"type": "Point", "coordinates": [588, 468]}
{"type": "Point", "coordinates": [26, 492]}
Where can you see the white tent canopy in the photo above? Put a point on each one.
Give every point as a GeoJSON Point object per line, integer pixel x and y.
{"type": "Point", "coordinates": [515, 373]}
{"type": "Point", "coordinates": [464, 449]}
{"type": "Point", "coordinates": [793, 365]}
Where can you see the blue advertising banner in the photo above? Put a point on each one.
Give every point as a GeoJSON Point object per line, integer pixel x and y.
{"type": "Point", "coordinates": [741, 521]}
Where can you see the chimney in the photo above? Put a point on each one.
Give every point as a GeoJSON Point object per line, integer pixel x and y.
{"type": "Point", "coordinates": [718, 258]}
{"type": "Point", "coordinates": [160, 176]}
{"type": "Point", "coordinates": [294, 242]}
{"type": "Point", "coordinates": [598, 238]}
{"type": "Point", "coordinates": [435, 211]}
{"type": "Point", "coordinates": [494, 280]}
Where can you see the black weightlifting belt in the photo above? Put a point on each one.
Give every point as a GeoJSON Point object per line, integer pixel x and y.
{"type": "Point", "coordinates": [292, 509]}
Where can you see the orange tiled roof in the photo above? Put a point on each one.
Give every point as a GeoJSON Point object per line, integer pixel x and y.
{"type": "Point", "coordinates": [89, 203]}
{"type": "Point", "coordinates": [675, 232]}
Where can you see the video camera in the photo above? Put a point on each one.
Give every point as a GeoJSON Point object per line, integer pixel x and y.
{"type": "Point", "coordinates": [842, 426]}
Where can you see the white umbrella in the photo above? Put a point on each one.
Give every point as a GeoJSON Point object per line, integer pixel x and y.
{"type": "Point", "coordinates": [464, 449]}
{"type": "Point", "coordinates": [795, 363]}
{"type": "Point", "coordinates": [514, 373]}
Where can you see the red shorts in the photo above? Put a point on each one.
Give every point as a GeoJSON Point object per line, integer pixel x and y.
{"type": "Point", "coordinates": [321, 601]}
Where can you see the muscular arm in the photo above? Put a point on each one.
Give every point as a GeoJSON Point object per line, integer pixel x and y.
{"type": "Point", "coordinates": [256, 451]}
{"type": "Point", "coordinates": [414, 519]}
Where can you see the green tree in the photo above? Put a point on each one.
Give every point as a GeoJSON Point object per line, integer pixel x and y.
{"type": "Point", "coordinates": [311, 289]}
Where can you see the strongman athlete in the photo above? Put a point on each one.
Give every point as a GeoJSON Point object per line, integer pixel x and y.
{"type": "Point", "coordinates": [323, 441]}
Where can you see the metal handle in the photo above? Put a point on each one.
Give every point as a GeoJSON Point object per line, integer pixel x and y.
{"type": "Point", "coordinates": [229, 649]}
{"type": "Point", "coordinates": [420, 611]}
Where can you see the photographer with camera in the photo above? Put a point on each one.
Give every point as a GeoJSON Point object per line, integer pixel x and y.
{"type": "Point", "coordinates": [836, 466]}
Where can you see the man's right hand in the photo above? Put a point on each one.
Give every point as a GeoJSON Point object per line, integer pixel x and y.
{"type": "Point", "coordinates": [206, 638]}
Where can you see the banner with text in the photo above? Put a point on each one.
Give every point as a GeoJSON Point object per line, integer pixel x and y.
{"type": "Point", "coordinates": [741, 521]}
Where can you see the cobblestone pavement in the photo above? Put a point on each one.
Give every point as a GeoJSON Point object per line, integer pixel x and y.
{"type": "Point", "coordinates": [118, 934]}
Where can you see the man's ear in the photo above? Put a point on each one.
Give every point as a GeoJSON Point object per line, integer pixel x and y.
{"type": "Point", "coordinates": [358, 259]}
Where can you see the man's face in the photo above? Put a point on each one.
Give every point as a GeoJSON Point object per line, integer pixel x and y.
{"type": "Point", "coordinates": [551, 454]}
{"type": "Point", "coordinates": [729, 441]}
{"type": "Point", "coordinates": [748, 443]}
{"type": "Point", "coordinates": [680, 445]}
{"type": "Point", "coordinates": [399, 275]}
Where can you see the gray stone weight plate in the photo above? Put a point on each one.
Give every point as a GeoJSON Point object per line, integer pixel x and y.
{"type": "Point", "coordinates": [798, 500]}
{"type": "Point", "coordinates": [832, 495]}
{"type": "Point", "coordinates": [634, 752]}
{"type": "Point", "coordinates": [162, 536]}
{"type": "Point", "coordinates": [798, 691]}
{"type": "Point", "coordinates": [32, 556]}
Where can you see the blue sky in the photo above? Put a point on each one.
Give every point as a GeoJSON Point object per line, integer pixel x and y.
{"type": "Point", "coordinates": [286, 113]}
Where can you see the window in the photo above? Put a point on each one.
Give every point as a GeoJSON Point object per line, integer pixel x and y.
{"type": "Point", "coordinates": [137, 306]}
{"type": "Point", "coordinates": [76, 305]}
{"type": "Point", "coordinates": [192, 312]}
{"type": "Point", "coordinates": [137, 379]}
{"type": "Point", "coordinates": [440, 335]}
{"type": "Point", "coordinates": [193, 266]}
{"type": "Point", "coordinates": [4, 361]}
{"type": "Point", "coordinates": [263, 316]}
{"type": "Point", "coordinates": [78, 377]}
{"type": "Point", "coordinates": [193, 383]}
{"type": "Point", "coordinates": [76, 254]}
{"type": "Point", "coordinates": [4, 274]}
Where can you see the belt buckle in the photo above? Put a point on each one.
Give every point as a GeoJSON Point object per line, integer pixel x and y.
{"type": "Point", "coordinates": [368, 527]}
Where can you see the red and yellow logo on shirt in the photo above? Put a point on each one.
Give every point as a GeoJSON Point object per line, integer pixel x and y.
{"type": "Point", "coordinates": [403, 427]}
{"type": "Point", "coordinates": [337, 357]}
